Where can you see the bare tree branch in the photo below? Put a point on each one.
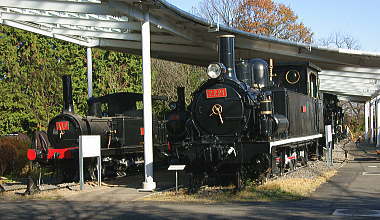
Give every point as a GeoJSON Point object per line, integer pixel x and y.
{"type": "Point", "coordinates": [340, 40]}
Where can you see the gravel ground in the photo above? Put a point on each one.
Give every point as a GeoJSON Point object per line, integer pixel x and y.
{"type": "Point", "coordinates": [317, 168]}
{"type": "Point", "coordinates": [313, 169]}
{"type": "Point", "coordinates": [20, 186]}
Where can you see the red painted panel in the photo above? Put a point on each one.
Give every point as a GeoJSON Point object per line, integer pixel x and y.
{"type": "Point", "coordinates": [62, 125]}
{"type": "Point", "coordinates": [31, 154]}
{"type": "Point", "coordinates": [216, 93]}
{"type": "Point", "coordinates": [141, 131]}
{"type": "Point", "coordinates": [64, 153]}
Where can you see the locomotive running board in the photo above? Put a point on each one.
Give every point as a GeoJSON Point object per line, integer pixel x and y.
{"type": "Point", "coordinates": [293, 140]}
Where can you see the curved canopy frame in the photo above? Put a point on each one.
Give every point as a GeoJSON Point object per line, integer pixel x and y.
{"type": "Point", "coordinates": [179, 36]}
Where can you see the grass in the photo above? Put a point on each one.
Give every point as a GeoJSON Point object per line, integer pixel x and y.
{"type": "Point", "coordinates": [275, 190]}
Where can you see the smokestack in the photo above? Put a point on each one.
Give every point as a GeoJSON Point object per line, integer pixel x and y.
{"type": "Point", "coordinates": [226, 51]}
{"type": "Point", "coordinates": [67, 94]}
{"type": "Point", "coordinates": [181, 98]}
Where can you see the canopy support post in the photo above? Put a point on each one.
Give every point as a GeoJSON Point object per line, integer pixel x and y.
{"type": "Point", "coordinates": [149, 184]}
{"type": "Point", "coordinates": [378, 122]}
{"type": "Point", "coordinates": [372, 118]}
{"type": "Point", "coordinates": [89, 72]}
{"type": "Point", "coordinates": [366, 121]}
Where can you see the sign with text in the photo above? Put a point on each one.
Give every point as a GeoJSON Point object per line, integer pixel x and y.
{"type": "Point", "coordinates": [176, 167]}
{"type": "Point", "coordinates": [89, 145]}
{"type": "Point", "coordinates": [328, 133]}
{"type": "Point", "coordinates": [216, 93]}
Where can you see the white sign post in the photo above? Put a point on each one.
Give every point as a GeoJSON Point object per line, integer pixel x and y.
{"type": "Point", "coordinates": [329, 139]}
{"type": "Point", "coordinates": [176, 168]}
{"type": "Point", "coordinates": [89, 146]}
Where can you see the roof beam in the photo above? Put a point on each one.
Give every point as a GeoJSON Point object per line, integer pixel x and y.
{"type": "Point", "coordinates": [71, 21]}
{"type": "Point", "coordinates": [348, 79]}
{"type": "Point", "coordinates": [366, 75]}
{"type": "Point", "coordinates": [352, 69]}
{"type": "Point", "coordinates": [132, 11]}
{"type": "Point", "coordinates": [88, 43]}
{"type": "Point", "coordinates": [347, 91]}
{"type": "Point", "coordinates": [185, 50]}
{"type": "Point", "coordinates": [361, 90]}
{"type": "Point", "coordinates": [120, 36]}
{"type": "Point", "coordinates": [337, 85]}
{"type": "Point", "coordinates": [64, 6]}
{"type": "Point", "coordinates": [285, 50]}
{"type": "Point", "coordinates": [107, 8]}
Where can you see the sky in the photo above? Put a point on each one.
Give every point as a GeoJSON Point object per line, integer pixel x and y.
{"type": "Point", "coordinates": [357, 18]}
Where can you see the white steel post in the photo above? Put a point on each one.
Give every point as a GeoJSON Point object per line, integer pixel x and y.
{"type": "Point", "coordinates": [149, 184]}
{"type": "Point", "coordinates": [371, 113]}
{"type": "Point", "coordinates": [366, 122]}
{"type": "Point", "coordinates": [89, 72]}
{"type": "Point", "coordinates": [378, 122]}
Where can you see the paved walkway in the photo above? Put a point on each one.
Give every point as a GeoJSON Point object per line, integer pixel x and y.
{"type": "Point", "coordinates": [350, 195]}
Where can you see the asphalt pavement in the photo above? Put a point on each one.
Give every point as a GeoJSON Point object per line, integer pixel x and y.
{"type": "Point", "coordinates": [354, 193]}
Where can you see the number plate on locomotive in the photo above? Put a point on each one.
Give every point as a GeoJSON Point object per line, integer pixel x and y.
{"type": "Point", "coordinates": [62, 125]}
{"type": "Point", "coordinates": [216, 93]}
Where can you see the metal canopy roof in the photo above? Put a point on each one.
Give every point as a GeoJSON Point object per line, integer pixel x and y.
{"type": "Point", "coordinates": [179, 36]}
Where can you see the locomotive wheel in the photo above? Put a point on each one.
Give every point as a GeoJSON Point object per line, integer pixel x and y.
{"type": "Point", "coordinates": [304, 158]}
{"type": "Point", "coordinates": [66, 171]}
{"type": "Point", "coordinates": [238, 181]}
{"type": "Point", "coordinates": [303, 161]}
{"type": "Point", "coordinates": [282, 163]}
{"type": "Point", "coordinates": [258, 169]}
{"type": "Point", "coordinates": [196, 181]}
{"type": "Point", "coordinates": [292, 165]}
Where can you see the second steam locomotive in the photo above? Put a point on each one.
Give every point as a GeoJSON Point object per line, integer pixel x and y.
{"type": "Point", "coordinates": [118, 121]}
{"type": "Point", "coordinates": [248, 117]}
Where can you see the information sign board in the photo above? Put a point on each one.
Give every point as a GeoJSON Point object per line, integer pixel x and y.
{"type": "Point", "coordinates": [89, 146]}
{"type": "Point", "coordinates": [176, 167]}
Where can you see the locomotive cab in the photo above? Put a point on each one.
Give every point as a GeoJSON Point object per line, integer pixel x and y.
{"type": "Point", "coordinates": [301, 77]}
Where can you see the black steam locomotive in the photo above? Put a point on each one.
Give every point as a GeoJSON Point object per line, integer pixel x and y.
{"type": "Point", "coordinates": [248, 118]}
{"type": "Point", "coordinates": [115, 117]}
{"type": "Point", "coordinates": [333, 115]}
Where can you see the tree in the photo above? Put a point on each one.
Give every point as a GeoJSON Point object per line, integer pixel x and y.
{"type": "Point", "coordinates": [31, 67]}
{"type": "Point", "coordinates": [167, 76]}
{"type": "Point", "coordinates": [116, 72]}
{"type": "Point", "coordinates": [263, 17]}
{"type": "Point", "coordinates": [27, 65]}
{"type": "Point", "coordinates": [222, 11]}
{"type": "Point", "coordinates": [353, 116]}
{"type": "Point", "coordinates": [340, 40]}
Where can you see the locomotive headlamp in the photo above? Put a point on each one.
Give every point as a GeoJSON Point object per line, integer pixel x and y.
{"type": "Point", "coordinates": [214, 70]}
